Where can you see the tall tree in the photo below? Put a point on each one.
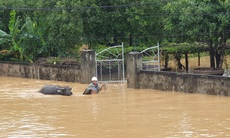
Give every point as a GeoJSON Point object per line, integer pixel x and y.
{"type": "Point", "coordinates": [133, 22]}
{"type": "Point", "coordinates": [206, 20]}
{"type": "Point", "coordinates": [63, 23]}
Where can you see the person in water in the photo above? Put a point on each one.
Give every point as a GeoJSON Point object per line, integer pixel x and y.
{"type": "Point", "coordinates": [93, 88]}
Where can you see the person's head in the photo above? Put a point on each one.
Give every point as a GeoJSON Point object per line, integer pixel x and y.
{"type": "Point", "coordinates": [94, 80]}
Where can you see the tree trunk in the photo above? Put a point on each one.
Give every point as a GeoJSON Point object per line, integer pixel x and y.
{"type": "Point", "coordinates": [166, 60]}
{"type": "Point", "coordinates": [212, 55]}
{"type": "Point", "coordinates": [198, 59]}
{"type": "Point", "coordinates": [186, 62]}
{"type": "Point", "coordinates": [115, 40]}
{"type": "Point", "coordinates": [178, 58]}
{"type": "Point", "coordinates": [217, 59]}
{"type": "Point", "coordinates": [130, 40]}
{"type": "Point", "coordinates": [220, 61]}
{"type": "Point", "coordinates": [212, 59]}
{"type": "Point", "coordinates": [220, 57]}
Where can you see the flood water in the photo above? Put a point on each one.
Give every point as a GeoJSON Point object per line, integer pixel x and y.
{"type": "Point", "coordinates": [117, 112]}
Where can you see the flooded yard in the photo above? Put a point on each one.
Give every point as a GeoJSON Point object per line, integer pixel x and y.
{"type": "Point", "coordinates": [115, 112]}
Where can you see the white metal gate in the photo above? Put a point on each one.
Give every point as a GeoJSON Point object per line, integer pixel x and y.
{"type": "Point", "coordinates": [151, 58]}
{"type": "Point", "coordinates": [110, 64]}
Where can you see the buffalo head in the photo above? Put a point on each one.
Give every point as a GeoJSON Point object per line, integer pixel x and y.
{"type": "Point", "coordinates": [65, 90]}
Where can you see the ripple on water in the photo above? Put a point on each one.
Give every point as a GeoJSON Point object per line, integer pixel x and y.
{"type": "Point", "coordinates": [116, 112]}
{"type": "Point", "coordinates": [29, 127]}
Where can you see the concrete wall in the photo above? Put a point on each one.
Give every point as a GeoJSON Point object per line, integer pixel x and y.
{"type": "Point", "coordinates": [44, 72]}
{"type": "Point", "coordinates": [190, 83]}
{"type": "Point", "coordinates": [69, 73]}
{"type": "Point", "coordinates": [171, 81]}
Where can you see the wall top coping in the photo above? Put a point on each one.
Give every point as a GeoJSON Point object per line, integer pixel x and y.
{"type": "Point", "coordinates": [42, 65]}
{"type": "Point", "coordinates": [184, 74]}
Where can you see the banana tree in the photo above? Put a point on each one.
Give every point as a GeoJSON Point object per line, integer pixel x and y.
{"type": "Point", "coordinates": [32, 40]}
{"type": "Point", "coordinates": [25, 39]}
{"type": "Point", "coordinates": [4, 40]}
{"type": "Point", "coordinates": [13, 26]}
{"type": "Point", "coordinates": [5, 43]}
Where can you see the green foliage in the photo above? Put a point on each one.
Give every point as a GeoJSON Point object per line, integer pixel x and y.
{"type": "Point", "coordinates": [4, 40]}
{"type": "Point", "coordinates": [24, 38]}
{"type": "Point", "coordinates": [206, 21]}
{"type": "Point", "coordinates": [113, 25]}
{"type": "Point", "coordinates": [58, 28]}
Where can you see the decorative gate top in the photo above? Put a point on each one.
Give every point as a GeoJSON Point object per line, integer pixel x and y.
{"type": "Point", "coordinates": [151, 58]}
{"type": "Point", "coordinates": [114, 52]}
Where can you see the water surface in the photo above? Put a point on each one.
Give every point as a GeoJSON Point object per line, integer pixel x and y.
{"type": "Point", "coordinates": [115, 113]}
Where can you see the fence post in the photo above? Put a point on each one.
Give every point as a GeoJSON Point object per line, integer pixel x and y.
{"type": "Point", "coordinates": [88, 65]}
{"type": "Point", "coordinates": [134, 64]}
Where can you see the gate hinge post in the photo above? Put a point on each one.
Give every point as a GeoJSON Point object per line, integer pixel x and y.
{"type": "Point", "coordinates": [134, 60]}
{"type": "Point", "coordinates": [88, 65]}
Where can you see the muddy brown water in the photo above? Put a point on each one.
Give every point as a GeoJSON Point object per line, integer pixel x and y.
{"type": "Point", "coordinates": [118, 112]}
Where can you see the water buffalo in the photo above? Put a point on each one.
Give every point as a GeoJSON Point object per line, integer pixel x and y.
{"type": "Point", "coordinates": [56, 90]}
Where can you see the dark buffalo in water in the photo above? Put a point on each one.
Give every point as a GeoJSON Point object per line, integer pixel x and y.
{"type": "Point", "coordinates": [56, 90]}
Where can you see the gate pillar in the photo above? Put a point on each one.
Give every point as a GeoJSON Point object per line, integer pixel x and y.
{"type": "Point", "coordinates": [134, 64]}
{"type": "Point", "coordinates": [88, 65]}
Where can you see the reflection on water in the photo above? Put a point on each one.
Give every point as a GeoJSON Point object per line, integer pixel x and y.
{"type": "Point", "coordinates": [116, 112]}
